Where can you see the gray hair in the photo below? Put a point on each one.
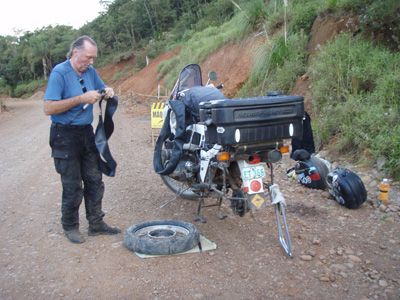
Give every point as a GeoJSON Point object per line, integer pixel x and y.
{"type": "Point", "coordinates": [78, 44]}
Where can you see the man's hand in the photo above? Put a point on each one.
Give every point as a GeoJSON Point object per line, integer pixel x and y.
{"type": "Point", "coordinates": [109, 92]}
{"type": "Point", "coordinates": [59, 106]}
{"type": "Point", "coordinates": [90, 97]}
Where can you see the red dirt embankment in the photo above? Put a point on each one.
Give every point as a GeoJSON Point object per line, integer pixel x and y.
{"type": "Point", "coordinates": [232, 62]}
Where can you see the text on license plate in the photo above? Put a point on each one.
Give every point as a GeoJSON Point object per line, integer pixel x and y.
{"type": "Point", "coordinates": [250, 173]}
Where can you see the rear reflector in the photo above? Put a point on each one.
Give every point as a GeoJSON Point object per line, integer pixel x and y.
{"type": "Point", "coordinates": [255, 185]}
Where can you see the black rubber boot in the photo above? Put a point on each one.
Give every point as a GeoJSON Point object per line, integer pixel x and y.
{"type": "Point", "coordinates": [74, 236]}
{"type": "Point", "coordinates": [102, 228]}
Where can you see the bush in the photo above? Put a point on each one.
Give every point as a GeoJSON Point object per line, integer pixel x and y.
{"type": "Point", "coordinates": [381, 18]}
{"type": "Point", "coordinates": [355, 99]}
{"type": "Point", "coordinates": [277, 65]}
{"type": "Point", "coordinates": [5, 89]}
{"type": "Point", "coordinates": [27, 88]}
{"type": "Point", "coordinates": [215, 14]}
{"type": "Point", "coordinates": [256, 14]}
{"type": "Point", "coordinates": [303, 16]}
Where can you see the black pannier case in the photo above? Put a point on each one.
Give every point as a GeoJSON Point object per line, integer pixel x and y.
{"type": "Point", "coordinates": [253, 120]}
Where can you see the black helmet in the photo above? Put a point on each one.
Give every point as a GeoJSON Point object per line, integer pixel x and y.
{"type": "Point", "coordinates": [346, 187]}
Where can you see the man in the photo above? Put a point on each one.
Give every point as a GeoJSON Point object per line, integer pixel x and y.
{"type": "Point", "coordinates": [72, 88]}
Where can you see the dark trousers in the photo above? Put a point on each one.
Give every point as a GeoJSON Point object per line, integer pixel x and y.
{"type": "Point", "coordinates": [76, 159]}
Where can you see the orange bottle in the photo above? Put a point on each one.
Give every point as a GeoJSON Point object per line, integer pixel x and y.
{"type": "Point", "coordinates": [384, 188]}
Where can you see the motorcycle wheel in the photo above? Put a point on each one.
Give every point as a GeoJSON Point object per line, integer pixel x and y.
{"type": "Point", "coordinates": [179, 188]}
{"type": "Point", "coordinates": [161, 237]}
{"type": "Point", "coordinates": [239, 205]}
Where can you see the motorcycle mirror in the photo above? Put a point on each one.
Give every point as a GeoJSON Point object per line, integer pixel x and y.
{"type": "Point", "coordinates": [212, 75]}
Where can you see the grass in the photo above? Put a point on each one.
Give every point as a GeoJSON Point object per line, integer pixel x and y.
{"type": "Point", "coordinates": [355, 88]}
{"type": "Point", "coordinates": [277, 65]}
{"type": "Point", "coordinates": [355, 84]}
{"type": "Point", "coordinates": [4, 88]}
{"type": "Point", "coordinates": [27, 88]}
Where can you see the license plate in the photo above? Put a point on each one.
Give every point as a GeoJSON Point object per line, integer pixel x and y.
{"type": "Point", "coordinates": [253, 172]}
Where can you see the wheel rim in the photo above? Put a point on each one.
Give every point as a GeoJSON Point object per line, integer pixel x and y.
{"type": "Point", "coordinates": [180, 188]}
{"type": "Point", "coordinates": [162, 231]}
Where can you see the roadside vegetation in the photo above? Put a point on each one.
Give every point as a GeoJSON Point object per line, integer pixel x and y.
{"type": "Point", "coordinates": [354, 79]}
{"type": "Point", "coordinates": [201, 44]}
{"type": "Point", "coordinates": [356, 88]}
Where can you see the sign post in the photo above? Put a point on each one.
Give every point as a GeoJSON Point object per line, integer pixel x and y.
{"type": "Point", "coordinates": [285, 2]}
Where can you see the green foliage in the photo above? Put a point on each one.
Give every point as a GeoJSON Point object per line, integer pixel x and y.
{"type": "Point", "coordinates": [256, 14]}
{"type": "Point", "coordinates": [214, 14]}
{"type": "Point", "coordinates": [5, 89]}
{"type": "Point", "coordinates": [140, 60]}
{"type": "Point", "coordinates": [355, 98]}
{"type": "Point", "coordinates": [300, 15]}
{"type": "Point", "coordinates": [355, 66]}
{"type": "Point", "coordinates": [345, 5]}
{"type": "Point", "coordinates": [303, 15]}
{"type": "Point", "coordinates": [132, 24]}
{"type": "Point", "coordinates": [27, 88]}
{"type": "Point", "coordinates": [381, 18]}
{"type": "Point", "coordinates": [277, 65]}
{"type": "Point", "coordinates": [24, 58]}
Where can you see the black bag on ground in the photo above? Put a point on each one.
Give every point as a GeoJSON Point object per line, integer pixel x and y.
{"type": "Point", "coordinates": [346, 187]}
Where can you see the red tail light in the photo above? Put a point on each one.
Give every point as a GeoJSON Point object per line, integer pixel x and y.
{"type": "Point", "coordinates": [254, 159]}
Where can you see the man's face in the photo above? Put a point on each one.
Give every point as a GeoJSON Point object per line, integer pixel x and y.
{"type": "Point", "coordinates": [84, 57]}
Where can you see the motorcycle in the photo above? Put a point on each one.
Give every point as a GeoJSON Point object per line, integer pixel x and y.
{"type": "Point", "coordinates": [225, 149]}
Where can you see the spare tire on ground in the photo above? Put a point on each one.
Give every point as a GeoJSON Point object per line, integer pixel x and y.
{"type": "Point", "coordinates": [161, 237]}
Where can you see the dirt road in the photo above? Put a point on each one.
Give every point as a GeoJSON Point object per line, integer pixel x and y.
{"type": "Point", "coordinates": [339, 253]}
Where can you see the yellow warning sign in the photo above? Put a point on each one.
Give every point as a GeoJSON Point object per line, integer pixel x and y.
{"type": "Point", "coordinates": [257, 201]}
{"type": "Point", "coordinates": [157, 114]}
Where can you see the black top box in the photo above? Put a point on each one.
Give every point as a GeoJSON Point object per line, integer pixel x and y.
{"type": "Point", "coordinates": [253, 120]}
